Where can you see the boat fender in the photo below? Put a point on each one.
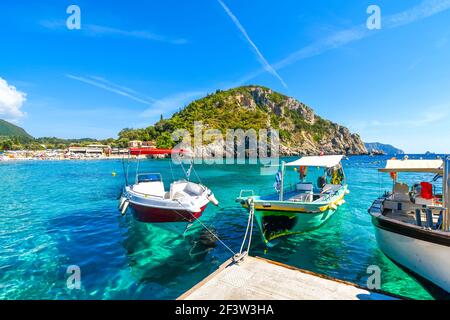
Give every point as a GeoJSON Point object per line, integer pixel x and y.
{"type": "Point", "coordinates": [333, 207]}
{"type": "Point", "coordinates": [336, 177]}
{"type": "Point", "coordinates": [347, 191]}
{"type": "Point", "coordinates": [121, 202]}
{"type": "Point", "coordinates": [125, 207]}
{"type": "Point", "coordinates": [213, 199]}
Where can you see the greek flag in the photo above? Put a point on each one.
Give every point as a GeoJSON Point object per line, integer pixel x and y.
{"type": "Point", "coordinates": [278, 181]}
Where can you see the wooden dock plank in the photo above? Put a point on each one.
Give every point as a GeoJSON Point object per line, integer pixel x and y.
{"type": "Point", "coordinates": [261, 279]}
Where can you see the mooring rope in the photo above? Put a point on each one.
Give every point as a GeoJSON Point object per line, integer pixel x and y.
{"type": "Point", "coordinates": [171, 170]}
{"type": "Point", "coordinates": [251, 215]}
{"type": "Point", "coordinates": [124, 171]}
{"type": "Point", "coordinates": [137, 166]}
{"type": "Point", "coordinates": [248, 232]}
{"type": "Point", "coordinates": [204, 226]}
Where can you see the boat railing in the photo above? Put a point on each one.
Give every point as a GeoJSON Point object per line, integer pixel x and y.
{"type": "Point", "coordinates": [264, 192]}
{"type": "Point", "coordinates": [146, 195]}
{"type": "Point", "coordinates": [325, 196]}
{"type": "Point", "coordinates": [429, 221]}
{"type": "Point", "coordinates": [243, 193]}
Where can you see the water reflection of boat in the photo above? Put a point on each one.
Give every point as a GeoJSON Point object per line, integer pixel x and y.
{"type": "Point", "coordinates": [303, 206]}
{"type": "Point", "coordinates": [158, 255]}
{"type": "Point", "coordinates": [412, 224]}
{"type": "Point", "coordinates": [184, 202]}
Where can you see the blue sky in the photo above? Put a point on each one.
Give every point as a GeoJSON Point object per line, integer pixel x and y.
{"type": "Point", "coordinates": [133, 60]}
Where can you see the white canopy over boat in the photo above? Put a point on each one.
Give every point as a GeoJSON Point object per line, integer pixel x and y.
{"type": "Point", "coordinates": [316, 161]}
{"type": "Point", "coordinates": [431, 166]}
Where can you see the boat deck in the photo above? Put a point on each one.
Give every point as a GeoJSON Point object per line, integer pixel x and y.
{"type": "Point", "coordinates": [261, 279]}
{"type": "Point", "coordinates": [295, 196]}
{"type": "Point", "coordinates": [409, 217]}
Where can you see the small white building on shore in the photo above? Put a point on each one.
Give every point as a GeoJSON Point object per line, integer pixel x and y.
{"type": "Point", "coordinates": [92, 149]}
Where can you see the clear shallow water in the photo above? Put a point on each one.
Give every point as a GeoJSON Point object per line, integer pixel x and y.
{"type": "Point", "coordinates": [56, 214]}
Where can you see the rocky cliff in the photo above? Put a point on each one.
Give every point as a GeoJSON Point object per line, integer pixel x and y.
{"type": "Point", "coordinates": [302, 132]}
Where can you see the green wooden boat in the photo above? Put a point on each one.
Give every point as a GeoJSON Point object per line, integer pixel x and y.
{"type": "Point", "coordinates": [303, 206]}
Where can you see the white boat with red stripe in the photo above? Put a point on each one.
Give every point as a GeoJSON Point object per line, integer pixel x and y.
{"type": "Point", "coordinates": [185, 201]}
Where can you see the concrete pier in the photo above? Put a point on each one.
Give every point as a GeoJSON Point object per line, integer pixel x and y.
{"type": "Point", "coordinates": [261, 279]}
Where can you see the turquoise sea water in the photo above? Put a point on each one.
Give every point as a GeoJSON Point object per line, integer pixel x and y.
{"type": "Point", "coordinates": [56, 214]}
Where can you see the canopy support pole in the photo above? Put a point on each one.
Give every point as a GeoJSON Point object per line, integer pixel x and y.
{"type": "Point", "coordinates": [283, 169]}
{"type": "Point", "coordinates": [446, 192]}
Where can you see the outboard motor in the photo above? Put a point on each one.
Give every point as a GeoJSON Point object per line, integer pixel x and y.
{"type": "Point", "coordinates": [213, 199]}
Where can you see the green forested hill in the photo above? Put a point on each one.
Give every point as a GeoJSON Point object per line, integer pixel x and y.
{"type": "Point", "coordinates": [10, 130]}
{"type": "Point", "coordinates": [256, 107]}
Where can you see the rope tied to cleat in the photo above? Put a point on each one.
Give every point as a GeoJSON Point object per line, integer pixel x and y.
{"type": "Point", "coordinates": [248, 232]}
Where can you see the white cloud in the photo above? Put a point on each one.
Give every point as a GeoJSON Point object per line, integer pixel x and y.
{"type": "Point", "coordinates": [98, 30]}
{"type": "Point", "coordinates": [139, 34]}
{"type": "Point", "coordinates": [258, 53]}
{"type": "Point", "coordinates": [170, 104]}
{"type": "Point", "coordinates": [165, 106]}
{"type": "Point", "coordinates": [111, 87]}
{"type": "Point", "coordinates": [11, 101]}
{"type": "Point", "coordinates": [112, 84]}
{"type": "Point", "coordinates": [425, 9]}
{"type": "Point", "coordinates": [434, 115]}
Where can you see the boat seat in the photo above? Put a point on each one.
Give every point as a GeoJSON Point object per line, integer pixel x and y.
{"type": "Point", "coordinates": [401, 193]}
{"type": "Point", "coordinates": [193, 189]}
{"type": "Point", "coordinates": [304, 187]}
{"type": "Point", "coordinates": [180, 195]}
{"type": "Point", "coordinates": [175, 187]}
{"type": "Point", "coordinates": [304, 192]}
{"type": "Point", "coordinates": [302, 197]}
{"type": "Point", "coordinates": [421, 201]}
{"type": "Point", "coordinates": [397, 205]}
{"type": "Point", "coordinates": [154, 188]}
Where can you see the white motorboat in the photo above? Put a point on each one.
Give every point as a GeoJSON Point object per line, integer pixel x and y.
{"type": "Point", "coordinates": [412, 223]}
{"type": "Point", "coordinates": [150, 202]}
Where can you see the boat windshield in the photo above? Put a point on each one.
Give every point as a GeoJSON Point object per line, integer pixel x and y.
{"type": "Point", "coordinates": [149, 177]}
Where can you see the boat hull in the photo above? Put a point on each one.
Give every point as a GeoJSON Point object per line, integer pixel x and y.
{"type": "Point", "coordinates": [153, 209]}
{"type": "Point", "coordinates": [147, 214]}
{"type": "Point", "coordinates": [277, 224]}
{"type": "Point", "coordinates": [412, 250]}
{"type": "Point", "coordinates": [278, 219]}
